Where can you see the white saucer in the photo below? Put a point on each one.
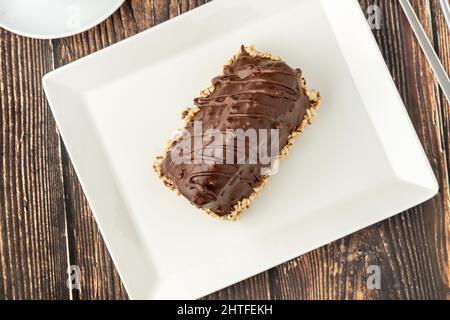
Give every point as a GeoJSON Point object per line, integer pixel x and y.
{"type": "Point", "coordinates": [50, 19]}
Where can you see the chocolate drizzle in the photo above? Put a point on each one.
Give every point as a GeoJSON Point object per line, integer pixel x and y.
{"type": "Point", "coordinates": [253, 92]}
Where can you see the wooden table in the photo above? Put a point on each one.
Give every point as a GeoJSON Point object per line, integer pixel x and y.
{"type": "Point", "coordinates": [46, 223]}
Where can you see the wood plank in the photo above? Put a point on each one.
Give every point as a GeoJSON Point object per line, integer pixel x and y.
{"type": "Point", "coordinates": [33, 252]}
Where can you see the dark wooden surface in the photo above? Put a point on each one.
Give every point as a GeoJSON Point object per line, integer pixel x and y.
{"type": "Point", "coordinates": [46, 223]}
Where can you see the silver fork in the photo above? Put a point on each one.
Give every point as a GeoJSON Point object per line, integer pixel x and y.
{"type": "Point", "coordinates": [426, 45]}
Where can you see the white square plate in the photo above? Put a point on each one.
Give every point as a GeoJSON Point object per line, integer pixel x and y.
{"type": "Point", "coordinates": [359, 163]}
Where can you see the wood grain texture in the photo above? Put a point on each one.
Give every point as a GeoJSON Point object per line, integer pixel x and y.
{"type": "Point", "coordinates": [33, 251]}
{"type": "Point", "coordinates": [46, 223]}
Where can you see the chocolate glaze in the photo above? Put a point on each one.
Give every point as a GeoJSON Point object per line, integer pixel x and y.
{"type": "Point", "coordinates": [253, 92]}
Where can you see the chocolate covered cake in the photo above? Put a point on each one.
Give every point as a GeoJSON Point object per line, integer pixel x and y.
{"type": "Point", "coordinates": [237, 132]}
